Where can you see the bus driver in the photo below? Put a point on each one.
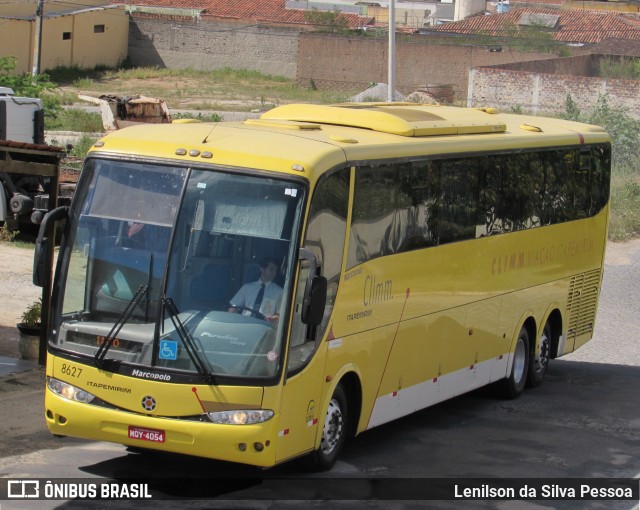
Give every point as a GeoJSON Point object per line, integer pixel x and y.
{"type": "Point", "coordinates": [263, 295]}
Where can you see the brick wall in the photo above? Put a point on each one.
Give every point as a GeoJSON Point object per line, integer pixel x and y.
{"type": "Point", "coordinates": [516, 79]}
{"type": "Point", "coordinates": [181, 43]}
{"type": "Point", "coordinates": [546, 93]}
{"type": "Point", "coordinates": [324, 60]}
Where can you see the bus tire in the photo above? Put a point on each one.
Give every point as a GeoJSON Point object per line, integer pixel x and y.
{"type": "Point", "coordinates": [334, 433]}
{"type": "Point", "coordinates": [513, 385]}
{"type": "Point", "coordinates": [539, 360]}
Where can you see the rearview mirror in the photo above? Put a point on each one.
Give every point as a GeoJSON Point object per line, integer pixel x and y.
{"type": "Point", "coordinates": [315, 292]}
{"type": "Point", "coordinates": [41, 257]}
{"type": "Point", "coordinates": [313, 306]}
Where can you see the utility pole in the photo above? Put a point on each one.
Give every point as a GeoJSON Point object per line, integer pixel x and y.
{"type": "Point", "coordinates": [392, 51]}
{"type": "Point", "coordinates": [37, 46]}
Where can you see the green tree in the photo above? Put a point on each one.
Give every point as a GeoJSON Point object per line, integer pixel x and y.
{"type": "Point", "coordinates": [327, 21]}
{"type": "Point", "coordinates": [624, 68]}
{"type": "Point", "coordinates": [623, 129]}
{"type": "Point", "coordinates": [24, 84]}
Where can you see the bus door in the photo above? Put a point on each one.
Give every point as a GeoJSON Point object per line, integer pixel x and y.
{"type": "Point", "coordinates": [300, 413]}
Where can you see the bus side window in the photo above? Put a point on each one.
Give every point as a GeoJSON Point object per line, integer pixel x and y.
{"type": "Point", "coordinates": [458, 211]}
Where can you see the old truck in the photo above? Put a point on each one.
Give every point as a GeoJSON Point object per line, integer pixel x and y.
{"type": "Point", "coordinates": [29, 168]}
{"type": "Point", "coordinates": [31, 179]}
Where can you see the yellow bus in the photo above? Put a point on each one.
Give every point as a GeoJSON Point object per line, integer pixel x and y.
{"type": "Point", "coordinates": [263, 290]}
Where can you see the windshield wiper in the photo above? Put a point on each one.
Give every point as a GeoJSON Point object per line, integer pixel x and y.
{"type": "Point", "coordinates": [122, 320]}
{"type": "Point", "coordinates": [187, 340]}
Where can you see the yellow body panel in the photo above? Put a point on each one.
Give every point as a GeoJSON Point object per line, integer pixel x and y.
{"type": "Point", "coordinates": [445, 311]}
{"type": "Point", "coordinates": [404, 325]}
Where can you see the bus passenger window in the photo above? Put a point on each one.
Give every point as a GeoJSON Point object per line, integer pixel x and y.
{"type": "Point", "coordinates": [458, 210]}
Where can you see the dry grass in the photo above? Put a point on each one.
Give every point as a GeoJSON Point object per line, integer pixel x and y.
{"type": "Point", "coordinates": [223, 89]}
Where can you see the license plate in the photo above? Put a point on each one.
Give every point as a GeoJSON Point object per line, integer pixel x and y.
{"type": "Point", "coordinates": [153, 435]}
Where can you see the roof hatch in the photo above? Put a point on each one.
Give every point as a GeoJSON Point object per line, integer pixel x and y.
{"type": "Point", "coordinates": [405, 119]}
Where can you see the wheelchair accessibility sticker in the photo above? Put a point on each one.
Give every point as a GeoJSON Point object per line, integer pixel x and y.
{"type": "Point", "coordinates": [168, 349]}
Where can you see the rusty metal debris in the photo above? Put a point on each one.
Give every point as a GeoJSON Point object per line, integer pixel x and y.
{"type": "Point", "coordinates": [119, 112]}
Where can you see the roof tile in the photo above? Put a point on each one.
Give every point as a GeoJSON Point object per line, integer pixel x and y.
{"type": "Point", "coordinates": [573, 27]}
{"type": "Point", "coordinates": [272, 11]}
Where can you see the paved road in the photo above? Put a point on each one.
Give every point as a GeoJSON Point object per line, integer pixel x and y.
{"type": "Point", "coordinates": [583, 422]}
{"type": "Point", "coordinates": [617, 332]}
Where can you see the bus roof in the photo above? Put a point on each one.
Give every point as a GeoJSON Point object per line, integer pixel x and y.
{"type": "Point", "coordinates": [299, 139]}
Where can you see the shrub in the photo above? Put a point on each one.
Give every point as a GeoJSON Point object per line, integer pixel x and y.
{"type": "Point", "coordinates": [7, 235]}
{"type": "Point", "coordinates": [624, 223]}
{"type": "Point", "coordinates": [623, 129]}
{"type": "Point", "coordinates": [31, 317]}
{"type": "Point", "coordinates": [23, 84]}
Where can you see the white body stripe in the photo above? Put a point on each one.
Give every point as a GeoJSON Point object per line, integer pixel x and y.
{"type": "Point", "coordinates": [408, 400]}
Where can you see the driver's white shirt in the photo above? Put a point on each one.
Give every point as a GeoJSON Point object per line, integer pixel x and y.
{"type": "Point", "coordinates": [248, 293]}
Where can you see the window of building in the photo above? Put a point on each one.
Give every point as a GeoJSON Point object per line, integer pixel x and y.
{"type": "Point", "coordinates": [66, 36]}
{"type": "Point", "coordinates": [98, 29]}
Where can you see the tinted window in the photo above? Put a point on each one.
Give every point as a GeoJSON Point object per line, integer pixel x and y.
{"type": "Point", "coordinates": [404, 206]}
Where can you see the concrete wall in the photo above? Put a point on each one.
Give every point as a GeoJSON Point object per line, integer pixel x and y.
{"type": "Point", "coordinates": [210, 45]}
{"type": "Point", "coordinates": [582, 65]}
{"type": "Point", "coordinates": [105, 48]}
{"type": "Point", "coordinates": [353, 63]}
{"type": "Point", "coordinates": [545, 94]}
{"type": "Point", "coordinates": [84, 48]}
{"type": "Point", "coordinates": [344, 63]}
{"type": "Point", "coordinates": [16, 40]}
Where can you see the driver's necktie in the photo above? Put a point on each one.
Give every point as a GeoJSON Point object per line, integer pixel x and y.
{"type": "Point", "coordinates": [258, 301]}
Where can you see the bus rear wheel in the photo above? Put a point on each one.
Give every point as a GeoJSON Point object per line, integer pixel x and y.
{"type": "Point", "coordinates": [539, 361]}
{"type": "Point", "coordinates": [513, 385]}
{"type": "Point", "coordinates": [334, 433]}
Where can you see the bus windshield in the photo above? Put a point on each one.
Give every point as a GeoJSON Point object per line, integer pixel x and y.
{"type": "Point", "coordinates": [178, 269]}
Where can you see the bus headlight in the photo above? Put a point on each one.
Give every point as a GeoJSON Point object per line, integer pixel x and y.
{"type": "Point", "coordinates": [241, 417]}
{"type": "Point", "coordinates": [69, 391]}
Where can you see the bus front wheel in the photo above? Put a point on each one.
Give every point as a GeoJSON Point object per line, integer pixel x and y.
{"type": "Point", "coordinates": [513, 385]}
{"type": "Point", "coordinates": [334, 433]}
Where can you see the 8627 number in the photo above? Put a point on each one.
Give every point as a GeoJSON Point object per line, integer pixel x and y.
{"type": "Point", "coordinates": [70, 370]}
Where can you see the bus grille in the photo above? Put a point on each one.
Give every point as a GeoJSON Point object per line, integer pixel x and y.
{"type": "Point", "coordinates": [581, 303]}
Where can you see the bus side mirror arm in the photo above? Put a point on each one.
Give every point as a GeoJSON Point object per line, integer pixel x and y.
{"type": "Point", "coordinates": [41, 262]}
{"type": "Point", "coordinates": [315, 292]}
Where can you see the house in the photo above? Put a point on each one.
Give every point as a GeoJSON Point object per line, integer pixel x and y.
{"type": "Point", "coordinates": [582, 5]}
{"type": "Point", "coordinates": [82, 33]}
{"type": "Point", "coordinates": [573, 27]}
{"type": "Point", "coordinates": [410, 14]}
{"type": "Point", "coordinates": [271, 12]}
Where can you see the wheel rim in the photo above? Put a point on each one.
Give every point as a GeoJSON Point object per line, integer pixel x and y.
{"type": "Point", "coordinates": [520, 358]}
{"type": "Point", "coordinates": [542, 357]}
{"type": "Point", "coordinates": [333, 426]}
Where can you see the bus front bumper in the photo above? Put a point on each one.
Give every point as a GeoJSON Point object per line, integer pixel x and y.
{"type": "Point", "coordinates": [246, 444]}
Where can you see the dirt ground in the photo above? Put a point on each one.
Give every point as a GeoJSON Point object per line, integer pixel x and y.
{"type": "Point", "coordinates": [17, 292]}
